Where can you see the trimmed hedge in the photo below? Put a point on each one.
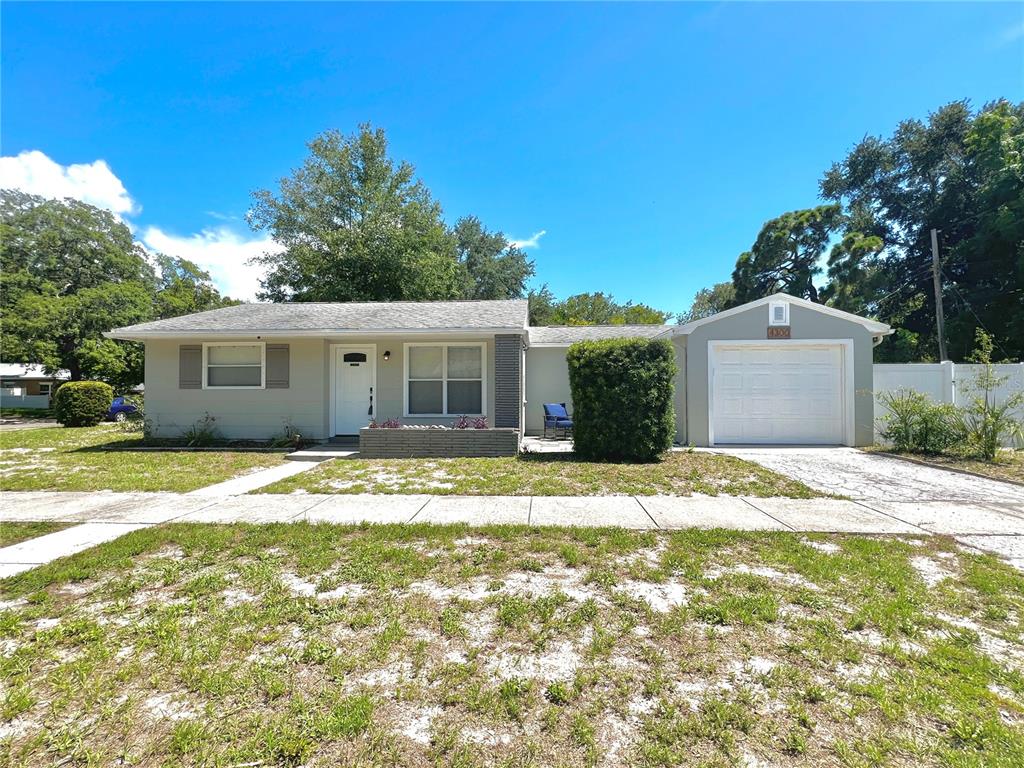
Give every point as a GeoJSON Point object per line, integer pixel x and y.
{"type": "Point", "coordinates": [82, 403]}
{"type": "Point", "coordinates": [622, 398]}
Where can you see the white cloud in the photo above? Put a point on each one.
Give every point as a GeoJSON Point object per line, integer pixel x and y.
{"type": "Point", "coordinates": [220, 251]}
{"type": "Point", "coordinates": [532, 242]}
{"type": "Point", "coordinates": [92, 183]}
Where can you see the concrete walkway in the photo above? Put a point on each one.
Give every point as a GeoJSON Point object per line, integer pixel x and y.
{"type": "Point", "coordinates": [26, 555]}
{"type": "Point", "coordinates": [258, 479]}
{"type": "Point", "coordinates": [996, 527]}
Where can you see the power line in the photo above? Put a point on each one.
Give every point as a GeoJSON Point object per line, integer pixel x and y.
{"type": "Point", "coordinates": [983, 326]}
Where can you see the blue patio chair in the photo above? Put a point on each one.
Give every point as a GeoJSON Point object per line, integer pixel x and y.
{"type": "Point", "coordinates": [557, 418]}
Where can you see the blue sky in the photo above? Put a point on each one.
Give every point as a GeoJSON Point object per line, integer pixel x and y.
{"type": "Point", "coordinates": [648, 142]}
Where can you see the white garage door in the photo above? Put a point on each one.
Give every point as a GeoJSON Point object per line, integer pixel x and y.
{"type": "Point", "coordinates": [778, 393]}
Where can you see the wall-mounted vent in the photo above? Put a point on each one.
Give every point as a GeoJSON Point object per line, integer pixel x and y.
{"type": "Point", "coordinates": [778, 313]}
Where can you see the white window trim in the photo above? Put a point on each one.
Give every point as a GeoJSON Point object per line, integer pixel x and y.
{"type": "Point", "coordinates": [444, 378]}
{"type": "Point", "coordinates": [263, 362]}
{"type": "Point", "coordinates": [772, 305]}
{"type": "Point", "coordinates": [49, 388]}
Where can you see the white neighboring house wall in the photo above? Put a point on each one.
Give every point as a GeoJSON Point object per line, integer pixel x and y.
{"type": "Point", "coordinates": [943, 382]}
{"type": "Point", "coordinates": [16, 397]}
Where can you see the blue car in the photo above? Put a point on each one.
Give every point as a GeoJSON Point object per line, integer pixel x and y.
{"type": "Point", "coordinates": [119, 409]}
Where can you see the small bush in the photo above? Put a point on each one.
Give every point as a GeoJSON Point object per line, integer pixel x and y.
{"type": "Point", "coordinates": [916, 424]}
{"type": "Point", "coordinates": [622, 398]}
{"type": "Point", "coordinates": [289, 437]}
{"type": "Point", "coordinates": [82, 403]}
{"type": "Point", "coordinates": [987, 423]}
{"type": "Point", "coordinates": [203, 433]}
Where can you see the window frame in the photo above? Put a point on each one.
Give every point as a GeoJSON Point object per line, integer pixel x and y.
{"type": "Point", "coordinates": [49, 388]}
{"type": "Point", "coordinates": [206, 363]}
{"type": "Point", "coordinates": [444, 345]}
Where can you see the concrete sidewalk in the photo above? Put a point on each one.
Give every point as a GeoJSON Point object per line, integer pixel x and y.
{"type": "Point", "coordinates": [992, 526]}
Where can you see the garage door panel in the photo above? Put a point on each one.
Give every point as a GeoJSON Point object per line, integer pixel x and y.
{"type": "Point", "coordinates": [778, 394]}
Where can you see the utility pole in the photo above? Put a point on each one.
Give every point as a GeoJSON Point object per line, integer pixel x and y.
{"type": "Point", "coordinates": [937, 282]}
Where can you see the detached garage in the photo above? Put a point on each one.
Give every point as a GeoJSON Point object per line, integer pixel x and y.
{"type": "Point", "coordinates": [777, 371]}
{"type": "Point", "coordinates": [779, 393]}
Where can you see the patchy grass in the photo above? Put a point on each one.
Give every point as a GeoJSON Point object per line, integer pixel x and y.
{"type": "Point", "coordinates": [679, 473]}
{"type": "Point", "coordinates": [418, 645]}
{"type": "Point", "coordinates": [12, 533]}
{"type": "Point", "coordinates": [1009, 464]}
{"type": "Point", "coordinates": [82, 459]}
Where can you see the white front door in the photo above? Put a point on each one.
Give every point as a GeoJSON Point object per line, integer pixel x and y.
{"type": "Point", "coordinates": [353, 389]}
{"type": "Point", "coordinates": [784, 393]}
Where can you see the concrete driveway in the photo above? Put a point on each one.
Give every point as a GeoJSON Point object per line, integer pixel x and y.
{"type": "Point", "coordinates": [870, 477]}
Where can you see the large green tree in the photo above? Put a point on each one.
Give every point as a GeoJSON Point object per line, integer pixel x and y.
{"type": "Point", "coordinates": [69, 272]}
{"type": "Point", "coordinates": [959, 172]}
{"type": "Point", "coordinates": [494, 268]}
{"type": "Point", "coordinates": [786, 255]}
{"type": "Point", "coordinates": [590, 309]}
{"type": "Point", "coordinates": [710, 301]}
{"type": "Point", "coordinates": [355, 226]}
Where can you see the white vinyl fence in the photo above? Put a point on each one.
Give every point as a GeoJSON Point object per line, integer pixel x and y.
{"type": "Point", "coordinates": [16, 397]}
{"type": "Point", "coordinates": [943, 382]}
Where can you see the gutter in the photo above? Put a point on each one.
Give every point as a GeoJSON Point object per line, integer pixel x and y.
{"type": "Point", "coordinates": [126, 334]}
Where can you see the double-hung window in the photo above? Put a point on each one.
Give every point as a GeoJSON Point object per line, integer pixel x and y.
{"type": "Point", "coordinates": [444, 379]}
{"type": "Point", "coordinates": [233, 365]}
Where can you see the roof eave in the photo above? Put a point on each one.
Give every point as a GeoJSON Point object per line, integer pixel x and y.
{"type": "Point", "coordinates": [127, 334]}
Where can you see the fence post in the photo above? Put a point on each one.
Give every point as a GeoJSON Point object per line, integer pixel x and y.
{"type": "Point", "coordinates": [948, 368]}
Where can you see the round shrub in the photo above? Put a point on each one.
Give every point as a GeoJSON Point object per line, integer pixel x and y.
{"type": "Point", "coordinates": [622, 398]}
{"type": "Point", "coordinates": [82, 403]}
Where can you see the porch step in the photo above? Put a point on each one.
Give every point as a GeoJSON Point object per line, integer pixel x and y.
{"type": "Point", "coordinates": [324, 451]}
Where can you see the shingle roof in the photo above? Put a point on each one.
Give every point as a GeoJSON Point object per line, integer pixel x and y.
{"type": "Point", "coordinates": [568, 334]}
{"type": "Point", "coordinates": [342, 316]}
{"type": "Point", "coordinates": [29, 371]}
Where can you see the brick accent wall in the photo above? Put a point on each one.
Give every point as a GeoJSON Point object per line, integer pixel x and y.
{"type": "Point", "coordinates": [508, 377]}
{"type": "Point", "coordinates": [436, 443]}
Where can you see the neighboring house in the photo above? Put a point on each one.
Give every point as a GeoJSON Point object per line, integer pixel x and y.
{"type": "Point", "coordinates": [777, 370]}
{"type": "Point", "coordinates": [25, 385]}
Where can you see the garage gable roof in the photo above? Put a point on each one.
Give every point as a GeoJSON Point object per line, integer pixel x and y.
{"type": "Point", "coordinates": [873, 326]}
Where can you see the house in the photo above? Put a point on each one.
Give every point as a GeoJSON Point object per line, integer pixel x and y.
{"type": "Point", "coordinates": [778, 370]}
{"type": "Point", "coordinates": [26, 385]}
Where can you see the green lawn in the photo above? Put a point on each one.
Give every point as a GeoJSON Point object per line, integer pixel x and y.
{"type": "Point", "coordinates": [12, 533]}
{"type": "Point", "coordinates": [1009, 464]}
{"type": "Point", "coordinates": [81, 459]}
{"type": "Point", "coordinates": [679, 473]}
{"type": "Point", "coordinates": [417, 645]}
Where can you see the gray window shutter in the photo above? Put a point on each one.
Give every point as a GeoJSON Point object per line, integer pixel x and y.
{"type": "Point", "coordinates": [190, 366]}
{"type": "Point", "coordinates": [277, 366]}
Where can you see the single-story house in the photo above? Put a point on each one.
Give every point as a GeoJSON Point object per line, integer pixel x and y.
{"type": "Point", "coordinates": [777, 370]}
{"type": "Point", "coordinates": [27, 385]}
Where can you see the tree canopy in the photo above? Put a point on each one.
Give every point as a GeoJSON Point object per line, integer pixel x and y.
{"type": "Point", "coordinates": [358, 226]}
{"type": "Point", "coordinates": [69, 272]}
{"type": "Point", "coordinates": [495, 269]}
{"type": "Point", "coordinates": [958, 171]}
{"type": "Point", "coordinates": [590, 309]}
{"type": "Point", "coordinates": [710, 301]}
{"type": "Point", "coordinates": [786, 255]}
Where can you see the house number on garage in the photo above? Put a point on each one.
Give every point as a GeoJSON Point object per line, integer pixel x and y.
{"type": "Point", "coordinates": [778, 331]}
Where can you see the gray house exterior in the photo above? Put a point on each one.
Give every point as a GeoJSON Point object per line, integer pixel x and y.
{"type": "Point", "coordinates": [780, 370]}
